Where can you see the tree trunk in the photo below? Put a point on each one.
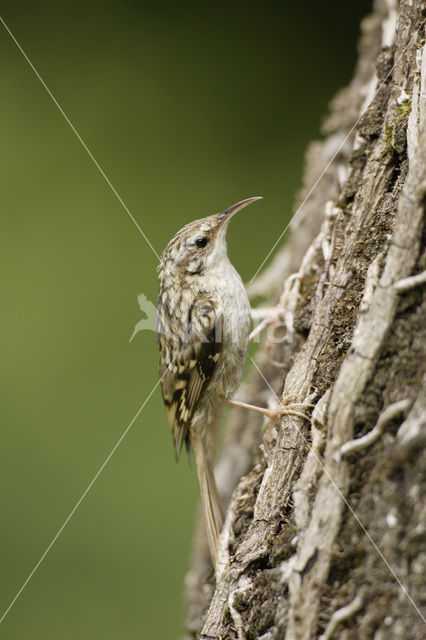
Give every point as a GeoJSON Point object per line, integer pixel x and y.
{"type": "Point", "coordinates": [325, 528]}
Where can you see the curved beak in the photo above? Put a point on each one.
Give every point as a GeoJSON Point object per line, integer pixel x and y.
{"type": "Point", "coordinates": [228, 213]}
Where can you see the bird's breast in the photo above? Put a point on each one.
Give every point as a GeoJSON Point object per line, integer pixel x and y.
{"type": "Point", "coordinates": [236, 328]}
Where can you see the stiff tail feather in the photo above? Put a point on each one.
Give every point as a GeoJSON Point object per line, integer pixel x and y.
{"type": "Point", "coordinates": [210, 501]}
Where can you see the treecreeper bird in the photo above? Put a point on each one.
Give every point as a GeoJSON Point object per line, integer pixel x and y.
{"type": "Point", "coordinates": [203, 327]}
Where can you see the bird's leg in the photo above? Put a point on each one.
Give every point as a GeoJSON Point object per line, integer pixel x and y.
{"type": "Point", "coordinates": [287, 407]}
{"type": "Point", "coordinates": [268, 317]}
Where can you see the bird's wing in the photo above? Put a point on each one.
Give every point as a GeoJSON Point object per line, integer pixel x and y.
{"type": "Point", "coordinates": [192, 363]}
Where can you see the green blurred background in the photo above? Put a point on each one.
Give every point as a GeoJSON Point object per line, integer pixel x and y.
{"type": "Point", "coordinates": [188, 107]}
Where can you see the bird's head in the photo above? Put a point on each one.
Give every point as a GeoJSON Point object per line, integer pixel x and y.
{"type": "Point", "coordinates": [201, 244]}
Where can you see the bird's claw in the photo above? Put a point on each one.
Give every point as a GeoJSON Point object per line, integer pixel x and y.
{"type": "Point", "coordinates": [287, 407]}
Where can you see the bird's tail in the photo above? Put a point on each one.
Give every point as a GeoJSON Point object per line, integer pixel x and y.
{"type": "Point", "coordinates": [210, 500]}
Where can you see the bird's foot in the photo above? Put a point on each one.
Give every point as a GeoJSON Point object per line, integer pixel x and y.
{"type": "Point", "coordinates": [287, 407]}
{"type": "Point", "coordinates": [268, 316]}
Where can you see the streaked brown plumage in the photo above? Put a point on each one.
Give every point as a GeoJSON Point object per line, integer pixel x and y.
{"type": "Point", "coordinates": [203, 323]}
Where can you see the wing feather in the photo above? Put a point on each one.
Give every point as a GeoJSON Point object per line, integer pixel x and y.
{"type": "Point", "coordinates": [191, 368]}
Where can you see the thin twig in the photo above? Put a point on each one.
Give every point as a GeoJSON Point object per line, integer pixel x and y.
{"type": "Point", "coordinates": [343, 614]}
{"type": "Point", "coordinates": [409, 283]}
{"type": "Point", "coordinates": [391, 412]}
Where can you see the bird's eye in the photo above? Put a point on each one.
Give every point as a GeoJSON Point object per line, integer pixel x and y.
{"type": "Point", "coordinates": [201, 242]}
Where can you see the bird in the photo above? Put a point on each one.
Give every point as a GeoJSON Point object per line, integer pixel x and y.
{"type": "Point", "coordinates": [202, 328]}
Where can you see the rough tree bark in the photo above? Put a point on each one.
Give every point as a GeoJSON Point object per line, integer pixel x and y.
{"type": "Point", "coordinates": [326, 521]}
